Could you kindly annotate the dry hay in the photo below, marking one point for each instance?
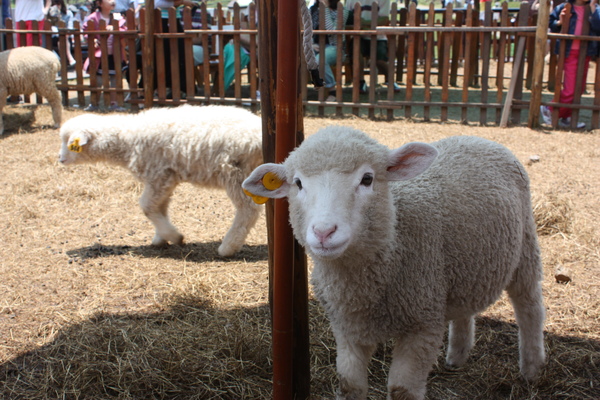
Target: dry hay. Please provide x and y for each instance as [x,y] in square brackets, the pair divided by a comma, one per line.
[552,214]
[90,311]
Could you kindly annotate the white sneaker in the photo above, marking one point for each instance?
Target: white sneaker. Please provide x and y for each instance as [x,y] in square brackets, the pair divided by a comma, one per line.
[546,115]
[565,123]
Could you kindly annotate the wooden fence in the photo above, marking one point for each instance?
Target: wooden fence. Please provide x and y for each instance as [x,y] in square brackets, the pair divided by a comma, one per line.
[451,65]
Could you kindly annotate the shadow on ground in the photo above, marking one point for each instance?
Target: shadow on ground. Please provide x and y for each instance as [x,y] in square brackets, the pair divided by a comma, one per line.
[194,350]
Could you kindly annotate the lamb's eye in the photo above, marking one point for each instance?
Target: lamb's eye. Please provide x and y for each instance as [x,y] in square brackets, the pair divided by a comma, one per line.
[298,183]
[367,179]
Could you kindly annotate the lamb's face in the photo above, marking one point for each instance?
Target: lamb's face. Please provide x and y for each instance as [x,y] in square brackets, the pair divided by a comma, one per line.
[73,139]
[328,210]
[336,185]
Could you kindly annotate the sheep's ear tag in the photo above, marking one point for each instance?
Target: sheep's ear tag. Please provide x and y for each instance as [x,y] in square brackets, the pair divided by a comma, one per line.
[271,181]
[75,147]
[255,198]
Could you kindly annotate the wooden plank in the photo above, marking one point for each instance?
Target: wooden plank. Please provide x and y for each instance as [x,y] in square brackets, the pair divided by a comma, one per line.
[445,68]
[559,70]
[356,61]
[392,43]
[501,61]
[513,83]
[338,59]
[93,67]
[220,38]
[428,62]
[469,37]
[132,59]
[78,65]
[401,50]
[485,64]
[456,49]
[62,52]
[237,49]
[541,40]
[518,92]
[410,73]
[105,77]
[161,88]
[322,95]
[252,66]
[190,84]
[174,56]
[373,60]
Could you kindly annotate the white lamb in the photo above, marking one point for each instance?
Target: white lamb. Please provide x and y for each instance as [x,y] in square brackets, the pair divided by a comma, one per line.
[214,146]
[27,70]
[404,241]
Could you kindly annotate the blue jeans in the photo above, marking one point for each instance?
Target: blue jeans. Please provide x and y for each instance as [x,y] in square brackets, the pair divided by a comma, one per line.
[330,59]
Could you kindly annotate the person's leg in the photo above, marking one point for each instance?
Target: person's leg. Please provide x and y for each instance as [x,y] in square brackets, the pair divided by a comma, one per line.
[569,81]
[198,54]
[330,59]
[229,63]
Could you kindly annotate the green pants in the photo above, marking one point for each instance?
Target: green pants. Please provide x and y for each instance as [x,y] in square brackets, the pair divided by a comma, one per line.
[229,63]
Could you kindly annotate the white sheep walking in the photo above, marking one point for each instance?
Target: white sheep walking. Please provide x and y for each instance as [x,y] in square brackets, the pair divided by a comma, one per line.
[27,70]
[213,146]
[404,241]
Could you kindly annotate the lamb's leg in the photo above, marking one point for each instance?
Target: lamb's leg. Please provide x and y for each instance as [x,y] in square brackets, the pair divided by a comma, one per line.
[155,203]
[54,99]
[3,94]
[246,215]
[413,358]
[526,298]
[461,338]
[352,368]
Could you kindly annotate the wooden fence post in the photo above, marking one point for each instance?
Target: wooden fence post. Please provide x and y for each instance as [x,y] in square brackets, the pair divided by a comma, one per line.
[148,52]
[541,38]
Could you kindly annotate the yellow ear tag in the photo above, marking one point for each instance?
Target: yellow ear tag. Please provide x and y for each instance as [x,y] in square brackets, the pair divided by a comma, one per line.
[75,147]
[271,181]
[255,198]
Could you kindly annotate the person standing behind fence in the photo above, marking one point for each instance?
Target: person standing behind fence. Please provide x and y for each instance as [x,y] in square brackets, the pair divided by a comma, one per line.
[244,54]
[197,50]
[383,19]
[29,11]
[558,18]
[59,11]
[102,11]
[330,50]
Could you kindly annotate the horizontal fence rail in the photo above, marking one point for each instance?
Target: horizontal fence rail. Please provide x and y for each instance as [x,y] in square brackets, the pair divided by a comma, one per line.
[449,64]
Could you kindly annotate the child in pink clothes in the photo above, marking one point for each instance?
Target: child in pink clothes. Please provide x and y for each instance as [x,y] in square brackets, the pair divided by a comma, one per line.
[102,10]
[558,18]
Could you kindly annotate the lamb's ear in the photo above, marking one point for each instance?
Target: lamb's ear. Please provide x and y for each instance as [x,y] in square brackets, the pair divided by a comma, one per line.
[267,181]
[410,160]
[77,140]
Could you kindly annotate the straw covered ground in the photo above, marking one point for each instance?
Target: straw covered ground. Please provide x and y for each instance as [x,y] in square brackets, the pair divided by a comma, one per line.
[88,310]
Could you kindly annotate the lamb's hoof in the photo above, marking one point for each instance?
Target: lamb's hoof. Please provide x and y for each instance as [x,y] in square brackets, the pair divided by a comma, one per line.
[452,367]
[159,242]
[226,250]
[400,393]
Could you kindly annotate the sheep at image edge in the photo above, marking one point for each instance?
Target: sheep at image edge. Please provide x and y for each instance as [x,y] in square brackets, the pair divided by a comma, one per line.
[27,70]
[404,241]
[213,146]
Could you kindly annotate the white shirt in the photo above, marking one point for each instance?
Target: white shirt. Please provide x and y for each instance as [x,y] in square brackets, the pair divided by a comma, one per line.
[29,10]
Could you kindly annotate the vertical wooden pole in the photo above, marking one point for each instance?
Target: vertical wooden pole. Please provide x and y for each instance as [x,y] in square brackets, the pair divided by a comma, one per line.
[288,291]
[541,37]
[148,54]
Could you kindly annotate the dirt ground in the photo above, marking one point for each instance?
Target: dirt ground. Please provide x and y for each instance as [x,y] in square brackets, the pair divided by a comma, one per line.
[88,310]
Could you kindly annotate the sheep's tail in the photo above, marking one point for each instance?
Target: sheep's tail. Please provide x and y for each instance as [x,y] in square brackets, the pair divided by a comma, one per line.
[309,53]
